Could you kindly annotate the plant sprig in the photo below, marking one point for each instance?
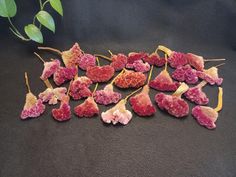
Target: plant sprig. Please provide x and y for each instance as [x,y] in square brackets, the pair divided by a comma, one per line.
[8,9]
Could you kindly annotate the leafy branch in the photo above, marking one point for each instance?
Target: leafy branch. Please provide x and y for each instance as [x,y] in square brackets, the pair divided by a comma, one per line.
[33,32]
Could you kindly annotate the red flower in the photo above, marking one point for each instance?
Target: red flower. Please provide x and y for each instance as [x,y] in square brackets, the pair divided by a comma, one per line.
[64,74]
[130,79]
[211,76]
[87,109]
[63,113]
[100,73]
[141,103]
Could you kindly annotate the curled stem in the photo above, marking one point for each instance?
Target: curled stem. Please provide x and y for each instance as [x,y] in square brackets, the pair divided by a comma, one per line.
[97,61]
[165,49]
[50,49]
[220,100]
[39,57]
[27,82]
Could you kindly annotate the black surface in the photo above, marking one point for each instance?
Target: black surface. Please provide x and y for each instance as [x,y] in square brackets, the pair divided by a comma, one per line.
[158,146]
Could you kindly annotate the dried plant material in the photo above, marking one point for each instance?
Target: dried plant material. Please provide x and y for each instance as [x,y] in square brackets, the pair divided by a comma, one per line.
[64,74]
[130,79]
[141,66]
[185,74]
[33,107]
[207,116]
[211,76]
[134,56]
[163,81]
[70,57]
[85,61]
[174,104]
[175,59]
[196,95]
[88,108]
[155,59]
[119,113]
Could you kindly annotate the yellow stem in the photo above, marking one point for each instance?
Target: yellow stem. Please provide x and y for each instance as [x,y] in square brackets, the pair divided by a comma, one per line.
[103,56]
[166,63]
[110,52]
[117,76]
[202,84]
[51,49]
[165,49]
[69,87]
[77,73]
[95,88]
[48,84]
[150,75]
[98,61]
[220,100]
[132,93]
[39,57]
[219,65]
[27,82]
[182,88]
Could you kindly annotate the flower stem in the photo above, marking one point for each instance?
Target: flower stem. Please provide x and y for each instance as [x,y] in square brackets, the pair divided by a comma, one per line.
[219,65]
[165,49]
[132,93]
[166,63]
[220,100]
[48,84]
[27,82]
[117,76]
[39,57]
[103,56]
[95,88]
[98,61]
[215,59]
[182,89]
[150,75]
[50,49]
[110,52]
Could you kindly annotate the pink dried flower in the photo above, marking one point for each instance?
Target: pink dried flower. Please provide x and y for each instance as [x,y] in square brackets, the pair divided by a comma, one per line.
[87,60]
[185,74]
[107,95]
[211,76]
[64,74]
[52,96]
[174,104]
[195,61]
[196,95]
[33,107]
[79,88]
[130,79]
[118,113]
[100,73]
[141,66]
[118,61]
[155,59]
[49,69]
[87,109]
[133,56]
[63,113]
[207,116]
[142,104]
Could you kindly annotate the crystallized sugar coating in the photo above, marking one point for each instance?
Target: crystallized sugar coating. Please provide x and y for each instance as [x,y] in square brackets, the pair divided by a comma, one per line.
[196,95]
[211,76]
[130,79]
[163,82]
[174,105]
[63,74]
[87,109]
[133,56]
[118,61]
[177,59]
[71,57]
[142,104]
[79,88]
[86,60]
[185,74]
[140,66]
[117,114]
[49,69]
[32,108]
[52,96]
[195,61]
[100,73]
[155,59]
[205,116]
[107,96]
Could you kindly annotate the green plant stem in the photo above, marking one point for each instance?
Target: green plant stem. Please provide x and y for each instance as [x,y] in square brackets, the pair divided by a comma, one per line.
[15,31]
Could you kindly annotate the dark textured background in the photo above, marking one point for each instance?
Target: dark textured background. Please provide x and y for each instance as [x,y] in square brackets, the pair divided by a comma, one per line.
[146,147]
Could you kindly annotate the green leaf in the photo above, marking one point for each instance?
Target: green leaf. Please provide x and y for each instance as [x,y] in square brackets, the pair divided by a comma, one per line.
[57,6]
[46,20]
[34,33]
[7,8]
